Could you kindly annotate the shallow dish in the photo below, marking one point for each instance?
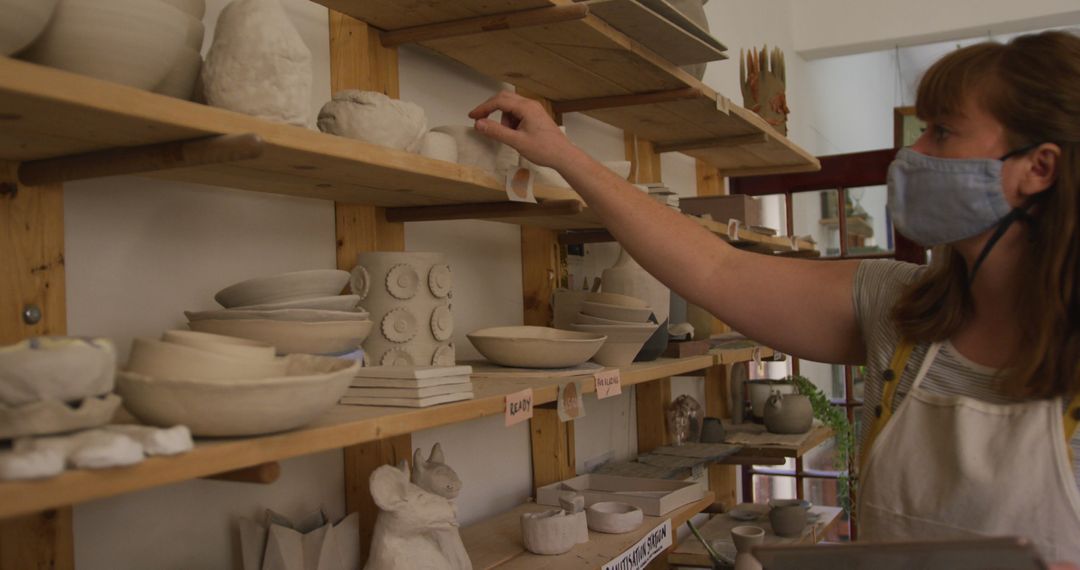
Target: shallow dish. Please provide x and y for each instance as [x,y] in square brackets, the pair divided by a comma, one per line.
[583,319]
[613,517]
[744,515]
[304,315]
[623,341]
[53,416]
[536,347]
[283,287]
[616,299]
[56,368]
[616,312]
[220,344]
[174,361]
[331,337]
[313,384]
[328,303]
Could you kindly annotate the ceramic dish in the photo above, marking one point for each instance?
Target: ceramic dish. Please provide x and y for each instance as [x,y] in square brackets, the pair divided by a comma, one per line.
[53,416]
[331,337]
[583,319]
[179,362]
[616,312]
[313,384]
[284,287]
[220,344]
[305,315]
[194,8]
[22,22]
[329,303]
[616,299]
[56,368]
[613,517]
[623,341]
[744,515]
[536,347]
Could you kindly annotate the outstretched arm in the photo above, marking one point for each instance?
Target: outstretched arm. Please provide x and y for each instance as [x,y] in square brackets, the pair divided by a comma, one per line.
[798,306]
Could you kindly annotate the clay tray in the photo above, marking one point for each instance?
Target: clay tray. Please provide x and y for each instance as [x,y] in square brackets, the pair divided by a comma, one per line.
[655,497]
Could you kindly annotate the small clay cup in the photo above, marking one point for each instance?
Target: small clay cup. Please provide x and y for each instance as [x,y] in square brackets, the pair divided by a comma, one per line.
[712,430]
[788,518]
[746,536]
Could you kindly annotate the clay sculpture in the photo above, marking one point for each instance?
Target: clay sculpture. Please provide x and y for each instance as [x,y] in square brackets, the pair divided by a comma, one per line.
[434,475]
[762,76]
[373,117]
[791,413]
[259,64]
[415,529]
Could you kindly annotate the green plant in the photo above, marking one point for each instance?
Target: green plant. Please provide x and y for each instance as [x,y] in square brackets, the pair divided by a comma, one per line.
[833,417]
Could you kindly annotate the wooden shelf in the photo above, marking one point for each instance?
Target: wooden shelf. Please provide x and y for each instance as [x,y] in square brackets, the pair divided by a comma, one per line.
[856,226]
[497,543]
[756,240]
[817,436]
[582,64]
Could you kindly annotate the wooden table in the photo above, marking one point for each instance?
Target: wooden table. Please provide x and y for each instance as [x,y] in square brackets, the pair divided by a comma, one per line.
[718,532]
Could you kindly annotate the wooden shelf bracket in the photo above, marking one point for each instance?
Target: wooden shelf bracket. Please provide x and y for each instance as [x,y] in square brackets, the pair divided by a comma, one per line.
[491,210]
[483,24]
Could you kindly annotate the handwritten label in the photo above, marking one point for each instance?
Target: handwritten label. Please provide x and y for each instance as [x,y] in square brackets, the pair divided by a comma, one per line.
[794,243]
[608,383]
[638,556]
[519,406]
[570,404]
[519,186]
[733,229]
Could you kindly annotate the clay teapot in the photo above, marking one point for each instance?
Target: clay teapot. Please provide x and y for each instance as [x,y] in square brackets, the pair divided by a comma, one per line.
[788,413]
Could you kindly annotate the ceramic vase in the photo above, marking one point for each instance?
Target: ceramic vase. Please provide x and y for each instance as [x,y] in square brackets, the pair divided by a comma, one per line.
[694,10]
[745,537]
[627,277]
[258,64]
[408,296]
[788,414]
[788,518]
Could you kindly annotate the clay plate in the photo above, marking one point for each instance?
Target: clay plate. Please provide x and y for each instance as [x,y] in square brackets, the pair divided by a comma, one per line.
[536,347]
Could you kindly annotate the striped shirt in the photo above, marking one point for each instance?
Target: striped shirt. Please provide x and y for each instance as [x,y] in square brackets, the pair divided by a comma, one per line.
[877,287]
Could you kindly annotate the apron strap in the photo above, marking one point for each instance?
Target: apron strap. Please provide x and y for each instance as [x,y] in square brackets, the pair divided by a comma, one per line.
[884,412]
[1072,419]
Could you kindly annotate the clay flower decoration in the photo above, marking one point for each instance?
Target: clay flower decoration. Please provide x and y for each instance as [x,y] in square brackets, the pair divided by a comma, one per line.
[762,75]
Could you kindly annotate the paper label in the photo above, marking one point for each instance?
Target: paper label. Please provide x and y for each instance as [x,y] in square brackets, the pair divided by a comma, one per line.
[733,229]
[608,383]
[794,243]
[757,362]
[570,404]
[519,406]
[646,550]
[519,186]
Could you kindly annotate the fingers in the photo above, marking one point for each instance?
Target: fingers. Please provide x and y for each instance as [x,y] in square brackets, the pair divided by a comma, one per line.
[501,133]
[503,101]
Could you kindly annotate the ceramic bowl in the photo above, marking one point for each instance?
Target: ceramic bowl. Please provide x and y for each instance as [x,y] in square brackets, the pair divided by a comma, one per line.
[180,82]
[194,8]
[548,532]
[746,536]
[305,315]
[312,385]
[616,299]
[536,347]
[173,361]
[219,344]
[787,518]
[133,42]
[56,368]
[329,303]
[566,305]
[623,341]
[194,31]
[475,149]
[22,22]
[616,312]
[331,337]
[53,416]
[583,319]
[760,390]
[439,146]
[613,517]
[284,287]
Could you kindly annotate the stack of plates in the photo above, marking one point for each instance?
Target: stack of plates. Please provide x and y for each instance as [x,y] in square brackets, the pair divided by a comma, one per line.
[417,387]
[300,312]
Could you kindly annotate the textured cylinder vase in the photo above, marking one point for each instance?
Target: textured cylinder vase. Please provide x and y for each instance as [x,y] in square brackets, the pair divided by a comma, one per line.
[408,296]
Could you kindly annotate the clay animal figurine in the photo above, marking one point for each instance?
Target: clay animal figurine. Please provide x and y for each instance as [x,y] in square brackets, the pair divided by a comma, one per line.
[434,475]
[762,76]
[258,64]
[790,413]
[373,117]
[415,530]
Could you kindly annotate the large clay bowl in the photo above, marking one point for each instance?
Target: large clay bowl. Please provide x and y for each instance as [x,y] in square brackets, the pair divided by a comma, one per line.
[180,81]
[56,368]
[536,347]
[623,341]
[134,42]
[306,315]
[285,287]
[328,303]
[169,360]
[23,20]
[291,337]
[194,8]
[313,384]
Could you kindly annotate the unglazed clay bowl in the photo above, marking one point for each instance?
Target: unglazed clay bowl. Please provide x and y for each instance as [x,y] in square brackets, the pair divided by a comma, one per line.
[194,8]
[56,368]
[548,532]
[746,536]
[305,315]
[312,385]
[285,287]
[133,42]
[536,347]
[616,299]
[583,319]
[180,82]
[622,344]
[788,517]
[291,337]
[616,312]
[614,517]
[193,33]
[328,303]
[220,344]
[22,22]
[168,360]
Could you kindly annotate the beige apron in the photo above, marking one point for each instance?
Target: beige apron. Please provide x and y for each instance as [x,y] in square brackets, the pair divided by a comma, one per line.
[951,467]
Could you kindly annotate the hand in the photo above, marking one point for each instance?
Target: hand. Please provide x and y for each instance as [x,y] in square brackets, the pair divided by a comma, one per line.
[526,126]
[1063,566]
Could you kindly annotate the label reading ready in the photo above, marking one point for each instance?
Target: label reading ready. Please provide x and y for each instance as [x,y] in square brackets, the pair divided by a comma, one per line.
[608,383]
[519,406]
[638,556]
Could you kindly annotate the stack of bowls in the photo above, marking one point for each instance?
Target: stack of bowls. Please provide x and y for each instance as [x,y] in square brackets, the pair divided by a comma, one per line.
[624,320]
[299,312]
[180,81]
[55,384]
[224,386]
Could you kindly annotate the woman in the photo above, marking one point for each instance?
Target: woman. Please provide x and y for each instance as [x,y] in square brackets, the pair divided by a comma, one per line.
[974,362]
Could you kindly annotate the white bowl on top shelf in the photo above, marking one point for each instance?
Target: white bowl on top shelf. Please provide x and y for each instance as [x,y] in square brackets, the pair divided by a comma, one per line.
[305,315]
[535,347]
[291,286]
[623,343]
[134,42]
[292,337]
[616,312]
[23,21]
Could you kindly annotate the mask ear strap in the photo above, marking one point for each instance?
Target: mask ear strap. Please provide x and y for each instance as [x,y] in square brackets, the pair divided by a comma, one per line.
[1003,226]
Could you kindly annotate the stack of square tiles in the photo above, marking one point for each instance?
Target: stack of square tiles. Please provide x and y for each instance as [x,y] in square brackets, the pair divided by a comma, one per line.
[415,387]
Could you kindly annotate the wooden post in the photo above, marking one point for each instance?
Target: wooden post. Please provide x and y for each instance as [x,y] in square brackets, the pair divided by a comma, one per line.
[552,446]
[359,61]
[652,400]
[32,303]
